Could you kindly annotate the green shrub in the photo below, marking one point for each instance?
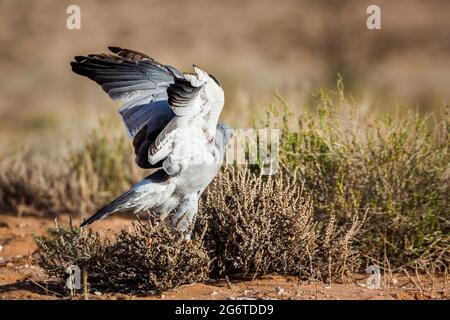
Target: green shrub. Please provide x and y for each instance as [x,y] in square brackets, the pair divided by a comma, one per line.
[395,167]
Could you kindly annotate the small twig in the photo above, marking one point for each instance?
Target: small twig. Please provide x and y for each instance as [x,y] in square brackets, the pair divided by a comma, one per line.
[317,291]
[85,284]
[418,279]
[229,283]
[42,287]
[445,280]
[431,279]
[411,279]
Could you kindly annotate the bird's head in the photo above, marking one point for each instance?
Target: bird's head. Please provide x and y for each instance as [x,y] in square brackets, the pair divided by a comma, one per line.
[224,135]
[210,85]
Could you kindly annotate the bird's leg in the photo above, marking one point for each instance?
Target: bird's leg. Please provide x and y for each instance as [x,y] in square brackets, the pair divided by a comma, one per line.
[184,216]
[152,221]
[151,218]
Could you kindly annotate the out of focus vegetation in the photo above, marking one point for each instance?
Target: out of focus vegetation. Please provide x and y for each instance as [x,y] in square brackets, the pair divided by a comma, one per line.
[293,46]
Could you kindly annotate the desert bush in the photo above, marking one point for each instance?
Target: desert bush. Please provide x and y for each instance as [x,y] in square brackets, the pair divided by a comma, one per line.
[103,167]
[248,225]
[76,183]
[29,185]
[105,159]
[139,259]
[394,166]
[264,224]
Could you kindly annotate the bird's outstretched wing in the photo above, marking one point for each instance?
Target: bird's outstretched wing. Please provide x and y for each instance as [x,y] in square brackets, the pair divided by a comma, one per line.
[197,101]
[162,106]
[133,78]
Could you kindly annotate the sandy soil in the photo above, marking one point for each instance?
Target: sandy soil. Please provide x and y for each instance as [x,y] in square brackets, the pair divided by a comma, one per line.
[20,278]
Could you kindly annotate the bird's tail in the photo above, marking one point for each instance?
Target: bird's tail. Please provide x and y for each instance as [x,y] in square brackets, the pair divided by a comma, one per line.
[115,206]
[148,193]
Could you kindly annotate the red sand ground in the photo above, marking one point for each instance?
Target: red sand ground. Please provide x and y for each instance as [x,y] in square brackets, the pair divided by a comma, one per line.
[20,278]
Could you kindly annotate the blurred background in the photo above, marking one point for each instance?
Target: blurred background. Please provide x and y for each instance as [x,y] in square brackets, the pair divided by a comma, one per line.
[255,47]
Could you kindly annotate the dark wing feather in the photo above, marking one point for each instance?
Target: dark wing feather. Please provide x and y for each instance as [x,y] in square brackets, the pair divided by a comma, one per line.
[152,93]
[141,83]
[132,77]
[160,116]
[130,54]
[181,93]
[120,76]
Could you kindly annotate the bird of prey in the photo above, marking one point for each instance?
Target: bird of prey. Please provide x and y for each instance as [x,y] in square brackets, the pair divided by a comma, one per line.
[172,118]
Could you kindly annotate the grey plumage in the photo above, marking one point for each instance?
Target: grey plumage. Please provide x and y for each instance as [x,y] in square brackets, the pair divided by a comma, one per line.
[172,118]
[129,76]
[161,193]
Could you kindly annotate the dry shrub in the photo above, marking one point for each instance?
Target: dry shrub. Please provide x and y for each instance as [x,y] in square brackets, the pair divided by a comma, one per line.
[248,225]
[104,166]
[159,257]
[29,185]
[140,258]
[395,167]
[76,183]
[258,226]
[264,224]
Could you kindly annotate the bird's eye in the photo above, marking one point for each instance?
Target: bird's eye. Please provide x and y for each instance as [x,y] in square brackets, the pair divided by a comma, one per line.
[215,80]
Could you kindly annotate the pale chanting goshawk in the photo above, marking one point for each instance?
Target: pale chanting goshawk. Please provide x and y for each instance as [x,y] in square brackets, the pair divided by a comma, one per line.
[172,118]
